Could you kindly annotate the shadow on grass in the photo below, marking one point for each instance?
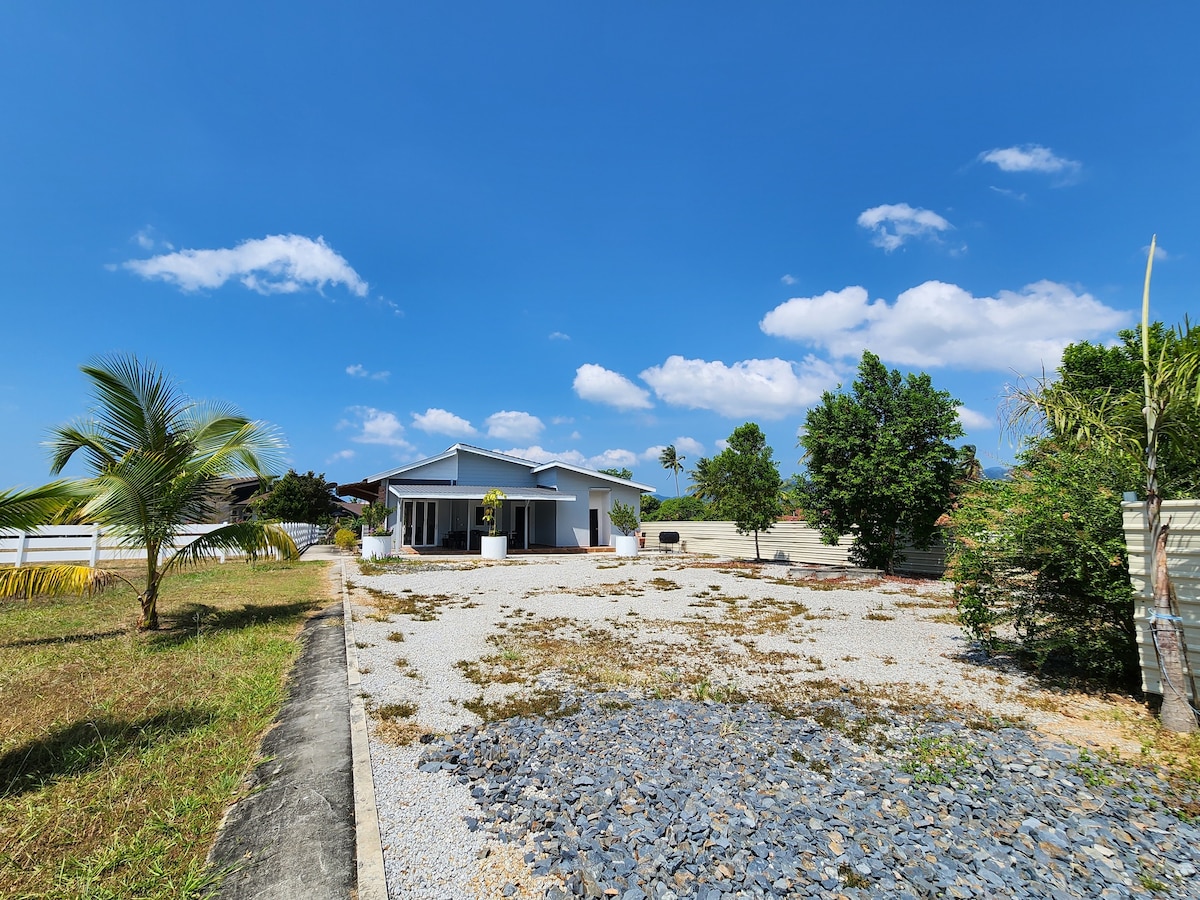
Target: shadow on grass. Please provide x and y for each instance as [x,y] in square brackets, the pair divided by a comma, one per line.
[184,621]
[88,745]
[85,638]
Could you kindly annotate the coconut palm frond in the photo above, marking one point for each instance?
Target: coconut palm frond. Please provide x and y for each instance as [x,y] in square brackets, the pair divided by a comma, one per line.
[55,580]
[27,509]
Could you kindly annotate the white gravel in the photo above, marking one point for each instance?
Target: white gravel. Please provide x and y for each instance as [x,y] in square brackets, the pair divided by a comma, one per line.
[885,637]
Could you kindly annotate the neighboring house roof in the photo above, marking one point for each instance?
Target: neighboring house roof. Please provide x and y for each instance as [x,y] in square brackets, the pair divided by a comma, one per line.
[364,489]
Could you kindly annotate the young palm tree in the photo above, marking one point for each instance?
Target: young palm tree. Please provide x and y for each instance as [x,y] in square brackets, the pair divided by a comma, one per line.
[1136,423]
[156,459]
[672,462]
[25,511]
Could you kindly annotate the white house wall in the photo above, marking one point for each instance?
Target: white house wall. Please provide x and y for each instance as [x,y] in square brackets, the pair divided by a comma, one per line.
[488,472]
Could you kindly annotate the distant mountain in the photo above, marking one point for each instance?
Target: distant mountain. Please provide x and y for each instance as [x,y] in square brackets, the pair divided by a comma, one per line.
[997,473]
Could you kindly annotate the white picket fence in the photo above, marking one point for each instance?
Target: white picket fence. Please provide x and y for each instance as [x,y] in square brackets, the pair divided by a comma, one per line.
[89,544]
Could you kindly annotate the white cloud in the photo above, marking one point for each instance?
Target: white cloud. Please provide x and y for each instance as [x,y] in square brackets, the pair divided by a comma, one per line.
[359,371]
[1160,253]
[973,421]
[559,336]
[1016,195]
[539,454]
[788,279]
[563,420]
[601,385]
[767,388]
[939,324]
[1031,158]
[376,426]
[895,223]
[689,447]
[339,456]
[575,436]
[510,425]
[440,421]
[276,264]
[613,459]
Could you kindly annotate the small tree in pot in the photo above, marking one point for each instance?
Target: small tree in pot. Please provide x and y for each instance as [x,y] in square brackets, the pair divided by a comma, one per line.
[624,518]
[493,545]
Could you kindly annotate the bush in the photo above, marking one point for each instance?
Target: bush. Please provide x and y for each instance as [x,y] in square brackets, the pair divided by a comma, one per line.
[679,509]
[1039,564]
[345,539]
[623,517]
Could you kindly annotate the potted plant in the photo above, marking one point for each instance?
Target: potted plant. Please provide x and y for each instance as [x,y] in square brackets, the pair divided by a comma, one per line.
[493,545]
[624,518]
[376,536]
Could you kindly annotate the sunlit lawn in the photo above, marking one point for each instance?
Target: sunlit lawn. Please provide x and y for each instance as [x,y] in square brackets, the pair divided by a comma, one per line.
[119,751]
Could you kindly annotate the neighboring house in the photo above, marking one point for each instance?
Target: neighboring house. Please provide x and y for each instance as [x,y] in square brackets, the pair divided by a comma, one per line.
[435,502]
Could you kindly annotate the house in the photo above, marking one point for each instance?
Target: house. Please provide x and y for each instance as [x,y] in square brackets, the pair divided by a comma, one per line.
[435,502]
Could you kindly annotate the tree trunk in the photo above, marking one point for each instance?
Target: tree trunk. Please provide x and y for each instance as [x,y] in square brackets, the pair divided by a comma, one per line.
[148,618]
[757,554]
[1176,714]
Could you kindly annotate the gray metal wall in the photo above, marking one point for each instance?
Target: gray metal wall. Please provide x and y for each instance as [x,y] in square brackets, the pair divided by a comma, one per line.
[790,542]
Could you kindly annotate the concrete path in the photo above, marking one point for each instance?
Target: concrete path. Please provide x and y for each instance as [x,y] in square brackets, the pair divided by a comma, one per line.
[306,827]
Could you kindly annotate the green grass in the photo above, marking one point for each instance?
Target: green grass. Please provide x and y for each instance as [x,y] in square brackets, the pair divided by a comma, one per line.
[119,751]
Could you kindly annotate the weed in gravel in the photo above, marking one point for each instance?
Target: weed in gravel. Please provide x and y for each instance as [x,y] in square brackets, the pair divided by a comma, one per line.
[936,759]
[663,584]
[396,636]
[540,703]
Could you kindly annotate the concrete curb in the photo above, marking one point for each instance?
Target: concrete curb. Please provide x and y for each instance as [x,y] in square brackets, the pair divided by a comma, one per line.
[372,879]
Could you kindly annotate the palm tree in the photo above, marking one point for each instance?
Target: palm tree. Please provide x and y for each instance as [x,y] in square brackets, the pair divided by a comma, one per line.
[672,462]
[156,459]
[1138,423]
[25,511]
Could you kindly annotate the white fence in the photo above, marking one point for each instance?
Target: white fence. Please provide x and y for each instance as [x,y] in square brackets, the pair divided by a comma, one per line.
[1183,562]
[788,542]
[89,544]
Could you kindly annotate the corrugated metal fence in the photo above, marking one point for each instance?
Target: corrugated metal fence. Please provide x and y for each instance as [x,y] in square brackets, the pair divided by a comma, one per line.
[1183,562]
[790,542]
[89,544]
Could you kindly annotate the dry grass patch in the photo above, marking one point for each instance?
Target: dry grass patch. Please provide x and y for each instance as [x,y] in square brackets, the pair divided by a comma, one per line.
[119,751]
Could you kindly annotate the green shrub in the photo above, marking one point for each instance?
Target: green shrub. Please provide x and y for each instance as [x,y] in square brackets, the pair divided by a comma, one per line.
[345,539]
[1039,564]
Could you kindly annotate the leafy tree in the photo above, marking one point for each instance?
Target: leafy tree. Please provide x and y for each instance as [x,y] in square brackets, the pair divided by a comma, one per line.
[649,505]
[880,463]
[627,474]
[748,482]
[1039,563]
[680,509]
[156,458]
[672,462]
[298,498]
[1160,422]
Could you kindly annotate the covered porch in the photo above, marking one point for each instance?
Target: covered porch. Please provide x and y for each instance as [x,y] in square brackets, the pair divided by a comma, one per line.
[449,518]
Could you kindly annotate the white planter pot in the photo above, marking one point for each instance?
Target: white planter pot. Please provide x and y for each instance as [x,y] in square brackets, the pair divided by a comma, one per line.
[374,547]
[493,547]
[626,544]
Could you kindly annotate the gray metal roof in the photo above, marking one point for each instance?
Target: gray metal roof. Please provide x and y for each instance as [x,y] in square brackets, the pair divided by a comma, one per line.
[471,492]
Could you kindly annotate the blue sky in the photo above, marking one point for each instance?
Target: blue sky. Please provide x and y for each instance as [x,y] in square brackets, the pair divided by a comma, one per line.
[579,231]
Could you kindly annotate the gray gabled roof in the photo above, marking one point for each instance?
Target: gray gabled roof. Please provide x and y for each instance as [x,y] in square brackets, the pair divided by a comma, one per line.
[472,492]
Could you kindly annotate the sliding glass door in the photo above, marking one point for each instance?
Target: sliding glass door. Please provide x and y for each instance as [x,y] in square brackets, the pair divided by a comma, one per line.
[420,523]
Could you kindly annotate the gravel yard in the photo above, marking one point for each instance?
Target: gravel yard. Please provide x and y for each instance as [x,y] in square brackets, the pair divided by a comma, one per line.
[703,728]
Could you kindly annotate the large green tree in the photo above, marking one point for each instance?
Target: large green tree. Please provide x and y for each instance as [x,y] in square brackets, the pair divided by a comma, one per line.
[880,463]
[298,498]
[1150,426]
[155,459]
[1039,564]
[746,480]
